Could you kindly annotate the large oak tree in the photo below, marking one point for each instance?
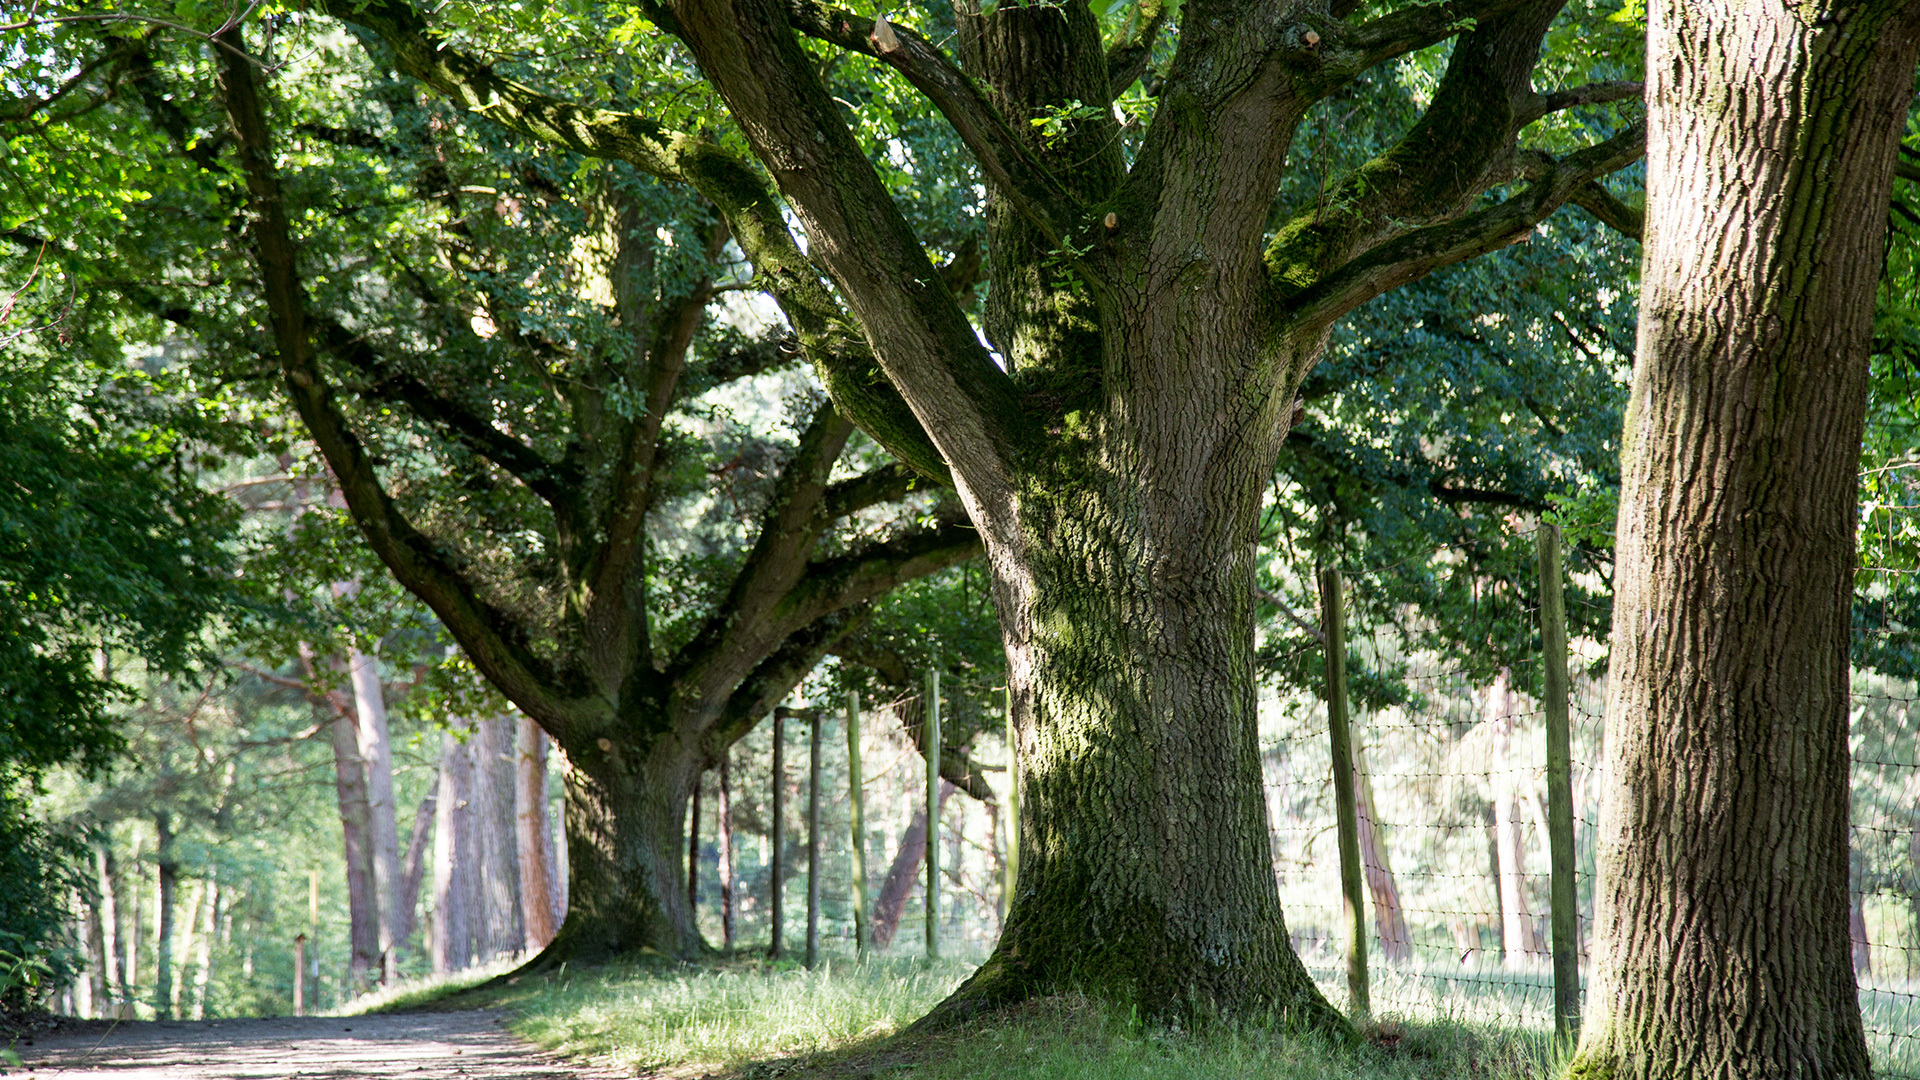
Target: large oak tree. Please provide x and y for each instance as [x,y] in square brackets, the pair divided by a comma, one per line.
[1722,906]
[1153,309]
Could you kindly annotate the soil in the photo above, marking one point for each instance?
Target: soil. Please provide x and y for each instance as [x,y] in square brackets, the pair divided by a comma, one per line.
[472,1045]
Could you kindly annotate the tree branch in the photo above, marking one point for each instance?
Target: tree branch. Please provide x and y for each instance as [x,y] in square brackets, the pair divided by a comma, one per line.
[1348,51]
[1595,199]
[488,635]
[1590,94]
[1127,59]
[884,484]
[1001,154]
[1421,251]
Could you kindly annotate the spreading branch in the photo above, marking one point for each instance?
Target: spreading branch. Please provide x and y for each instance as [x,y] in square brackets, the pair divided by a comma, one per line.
[1590,94]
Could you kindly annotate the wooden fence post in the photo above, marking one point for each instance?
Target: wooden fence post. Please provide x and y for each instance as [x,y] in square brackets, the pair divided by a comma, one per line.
[932,721]
[813,839]
[776,881]
[857,800]
[1333,622]
[1566,894]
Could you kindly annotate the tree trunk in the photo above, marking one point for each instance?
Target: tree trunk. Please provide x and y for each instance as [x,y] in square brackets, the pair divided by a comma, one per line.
[693,847]
[376,750]
[1721,899]
[112,967]
[1519,934]
[777,873]
[189,940]
[537,901]
[1389,918]
[453,856]
[723,834]
[203,959]
[130,969]
[1126,596]
[413,868]
[500,927]
[903,874]
[625,824]
[363,913]
[96,980]
[168,878]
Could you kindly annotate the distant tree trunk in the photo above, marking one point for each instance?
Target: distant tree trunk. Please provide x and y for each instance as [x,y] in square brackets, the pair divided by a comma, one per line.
[535,836]
[1519,934]
[413,868]
[369,701]
[693,848]
[112,968]
[130,970]
[777,841]
[1388,916]
[168,875]
[203,961]
[1721,899]
[495,777]
[189,942]
[363,913]
[454,866]
[723,832]
[98,984]
[904,874]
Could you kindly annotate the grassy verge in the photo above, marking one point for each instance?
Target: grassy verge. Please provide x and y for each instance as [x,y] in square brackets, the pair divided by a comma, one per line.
[747,1018]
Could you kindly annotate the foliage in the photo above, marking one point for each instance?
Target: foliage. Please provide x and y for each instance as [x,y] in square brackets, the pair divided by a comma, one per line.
[39,869]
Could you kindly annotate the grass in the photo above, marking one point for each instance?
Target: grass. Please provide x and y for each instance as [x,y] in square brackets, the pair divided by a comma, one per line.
[746,1018]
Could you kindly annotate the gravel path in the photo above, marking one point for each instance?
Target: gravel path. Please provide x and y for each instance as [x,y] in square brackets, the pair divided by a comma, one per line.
[419,1046]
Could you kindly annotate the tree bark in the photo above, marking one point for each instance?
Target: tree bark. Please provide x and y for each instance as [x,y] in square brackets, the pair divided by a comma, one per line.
[723,835]
[903,874]
[499,928]
[376,749]
[350,791]
[540,908]
[777,872]
[453,861]
[1721,901]
[167,878]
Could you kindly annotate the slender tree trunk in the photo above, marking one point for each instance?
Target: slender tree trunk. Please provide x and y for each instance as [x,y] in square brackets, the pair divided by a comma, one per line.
[534,835]
[413,868]
[130,970]
[453,852]
[376,750]
[902,875]
[363,914]
[189,942]
[96,979]
[167,880]
[723,833]
[113,967]
[1519,934]
[1721,901]
[203,960]
[495,777]
[1396,946]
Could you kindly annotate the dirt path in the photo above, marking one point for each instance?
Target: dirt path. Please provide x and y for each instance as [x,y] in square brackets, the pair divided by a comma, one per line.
[419,1046]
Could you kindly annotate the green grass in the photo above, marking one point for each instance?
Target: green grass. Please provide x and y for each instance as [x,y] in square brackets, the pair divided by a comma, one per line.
[422,993]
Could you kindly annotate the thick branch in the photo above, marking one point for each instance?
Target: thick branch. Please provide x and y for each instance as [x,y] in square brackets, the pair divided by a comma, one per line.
[485,632]
[1349,52]
[1590,94]
[1422,251]
[884,484]
[1003,156]
[1595,199]
[754,217]
[1127,58]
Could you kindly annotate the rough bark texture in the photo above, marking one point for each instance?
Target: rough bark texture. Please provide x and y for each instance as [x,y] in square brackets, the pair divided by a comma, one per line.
[500,928]
[1721,906]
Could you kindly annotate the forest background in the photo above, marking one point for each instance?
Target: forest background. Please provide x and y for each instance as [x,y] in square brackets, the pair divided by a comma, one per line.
[198,641]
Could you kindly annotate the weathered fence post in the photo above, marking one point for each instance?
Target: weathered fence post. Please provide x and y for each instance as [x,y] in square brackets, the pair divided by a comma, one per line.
[1566,894]
[1012,864]
[776,881]
[300,975]
[813,840]
[932,720]
[1333,622]
[857,800]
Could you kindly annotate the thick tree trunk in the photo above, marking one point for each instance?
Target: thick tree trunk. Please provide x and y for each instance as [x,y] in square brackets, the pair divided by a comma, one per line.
[1721,902]
[350,790]
[369,702]
[1126,598]
[903,875]
[538,903]
[626,880]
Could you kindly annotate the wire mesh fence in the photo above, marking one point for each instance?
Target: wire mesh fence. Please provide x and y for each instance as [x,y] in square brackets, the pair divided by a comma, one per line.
[1451,790]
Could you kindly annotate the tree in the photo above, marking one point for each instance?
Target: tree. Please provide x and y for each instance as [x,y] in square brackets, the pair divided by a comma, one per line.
[1155,312]
[1722,903]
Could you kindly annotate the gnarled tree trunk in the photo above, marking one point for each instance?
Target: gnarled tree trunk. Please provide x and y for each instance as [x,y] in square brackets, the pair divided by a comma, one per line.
[1721,913]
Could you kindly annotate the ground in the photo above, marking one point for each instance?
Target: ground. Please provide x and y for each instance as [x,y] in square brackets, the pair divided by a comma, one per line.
[471,1045]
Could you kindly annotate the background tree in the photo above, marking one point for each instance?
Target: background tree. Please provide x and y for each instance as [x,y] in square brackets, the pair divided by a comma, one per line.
[1772,144]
